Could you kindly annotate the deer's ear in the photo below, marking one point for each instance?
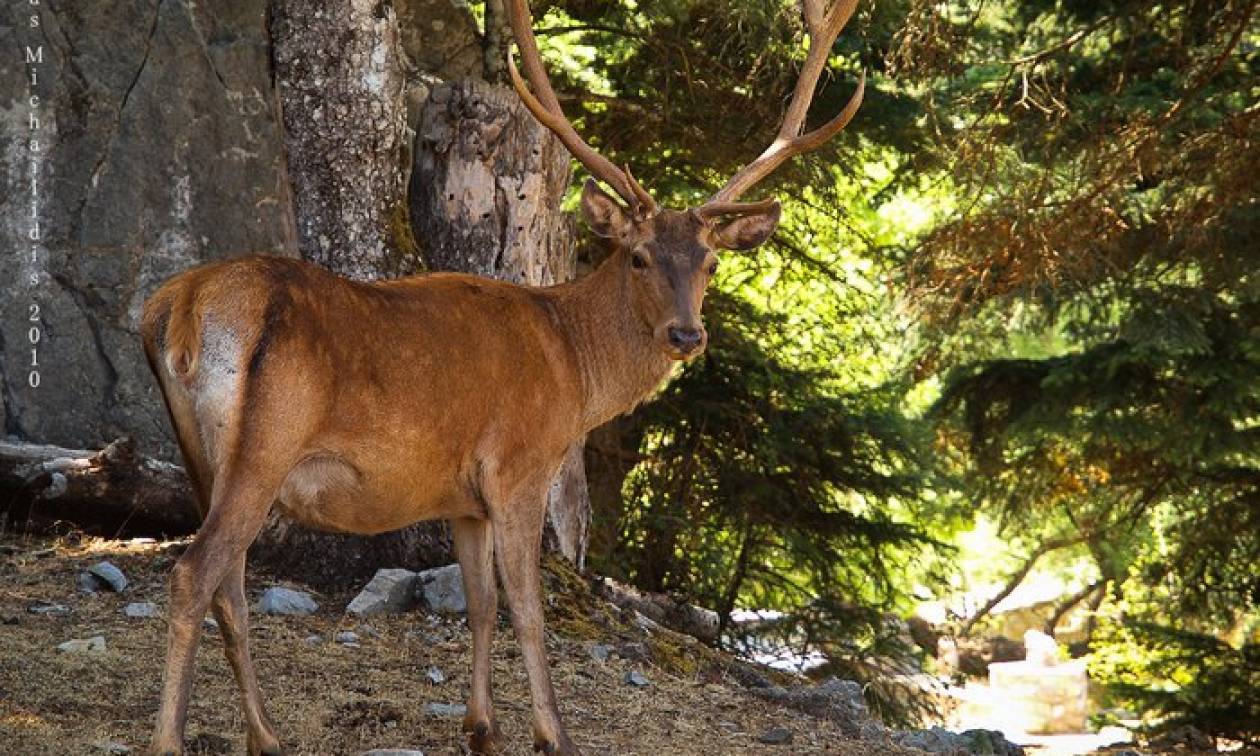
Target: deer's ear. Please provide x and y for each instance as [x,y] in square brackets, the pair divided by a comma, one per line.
[605,215]
[748,231]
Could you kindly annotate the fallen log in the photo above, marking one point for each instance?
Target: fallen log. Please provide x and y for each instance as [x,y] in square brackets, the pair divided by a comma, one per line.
[111,491]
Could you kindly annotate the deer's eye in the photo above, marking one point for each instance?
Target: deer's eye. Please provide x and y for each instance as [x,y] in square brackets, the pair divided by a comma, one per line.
[712,269]
[639,261]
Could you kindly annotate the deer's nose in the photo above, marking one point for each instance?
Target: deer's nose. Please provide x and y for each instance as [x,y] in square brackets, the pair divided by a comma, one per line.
[685,340]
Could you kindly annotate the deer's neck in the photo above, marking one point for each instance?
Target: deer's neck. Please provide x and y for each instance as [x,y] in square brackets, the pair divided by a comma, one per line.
[618,360]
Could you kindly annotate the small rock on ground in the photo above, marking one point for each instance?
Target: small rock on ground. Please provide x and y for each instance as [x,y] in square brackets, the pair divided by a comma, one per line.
[111,747]
[347,638]
[392,752]
[110,575]
[436,676]
[388,591]
[93,645]
[46,607]
[280,600]
[600,651]
[445,709]
[141,609]
[776,736]
[442,589]
[636,679]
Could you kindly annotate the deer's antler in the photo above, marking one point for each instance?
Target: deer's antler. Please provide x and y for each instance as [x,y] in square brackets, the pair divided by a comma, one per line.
[543,104]
[824,24]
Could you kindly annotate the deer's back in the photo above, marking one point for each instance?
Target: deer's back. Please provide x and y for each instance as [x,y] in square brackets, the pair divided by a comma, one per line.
[403,394]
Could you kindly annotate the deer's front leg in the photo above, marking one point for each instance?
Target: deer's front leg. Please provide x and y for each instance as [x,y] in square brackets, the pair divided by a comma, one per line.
[517,542]
[474,547]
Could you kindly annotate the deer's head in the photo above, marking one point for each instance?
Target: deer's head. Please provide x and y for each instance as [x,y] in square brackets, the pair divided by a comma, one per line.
[669,256]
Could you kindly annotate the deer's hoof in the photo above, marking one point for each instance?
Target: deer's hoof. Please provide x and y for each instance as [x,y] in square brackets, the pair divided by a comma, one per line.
[562,746]
[483,737]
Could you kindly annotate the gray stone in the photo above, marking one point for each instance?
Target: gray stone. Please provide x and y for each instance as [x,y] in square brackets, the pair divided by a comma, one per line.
[600,651]
[975,742]
[88,583]
[159,150]
[776,736]
[391,590]
[48,608]
[111,747]
[313,639]
[436,676]
[836,700]
[445,709]
[141,610]
[280,600]
[347,638]
[635,678]
[209,624]
[392,752]
[110,576]
[442,589]
[93,645]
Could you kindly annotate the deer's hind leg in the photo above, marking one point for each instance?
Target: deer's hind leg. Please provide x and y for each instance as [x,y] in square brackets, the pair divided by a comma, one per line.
[232,612]
[239,507]
[212,571]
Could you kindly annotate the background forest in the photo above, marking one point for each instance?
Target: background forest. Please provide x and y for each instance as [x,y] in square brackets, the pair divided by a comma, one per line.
[1008,330]
[1021,292]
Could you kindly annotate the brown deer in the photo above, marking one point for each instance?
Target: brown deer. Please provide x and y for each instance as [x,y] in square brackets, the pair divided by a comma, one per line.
[365,407]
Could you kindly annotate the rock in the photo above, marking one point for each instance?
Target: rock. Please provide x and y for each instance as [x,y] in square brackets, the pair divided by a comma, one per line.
[48,608]
[87,582]
[600,651]
[445,709]
[280,600]
[836,700]
[141,610]
[347,638]
[635,678]
[940,740]
[388,591]
[209,624]
[442,589]
[193,141]
[111,747]
[436,676]
[633,651]
[93,645]
[110,576]
[392,752]
[312,639]
[776,736]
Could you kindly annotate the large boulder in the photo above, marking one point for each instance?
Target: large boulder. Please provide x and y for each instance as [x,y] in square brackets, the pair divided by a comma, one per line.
[155,147]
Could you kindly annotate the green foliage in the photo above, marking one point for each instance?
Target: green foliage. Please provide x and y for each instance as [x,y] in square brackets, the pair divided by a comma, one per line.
[1182,677]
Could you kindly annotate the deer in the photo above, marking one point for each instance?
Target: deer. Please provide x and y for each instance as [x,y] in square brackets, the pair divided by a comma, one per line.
[362,407]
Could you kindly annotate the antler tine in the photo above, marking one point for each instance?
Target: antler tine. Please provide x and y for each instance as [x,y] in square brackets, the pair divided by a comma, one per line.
[824,27]
[542,102]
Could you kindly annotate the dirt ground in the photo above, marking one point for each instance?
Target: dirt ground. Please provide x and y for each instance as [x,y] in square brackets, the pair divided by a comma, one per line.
[326,698]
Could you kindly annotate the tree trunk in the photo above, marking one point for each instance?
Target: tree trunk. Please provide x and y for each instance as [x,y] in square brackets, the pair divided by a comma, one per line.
[485,199]
[339,70]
